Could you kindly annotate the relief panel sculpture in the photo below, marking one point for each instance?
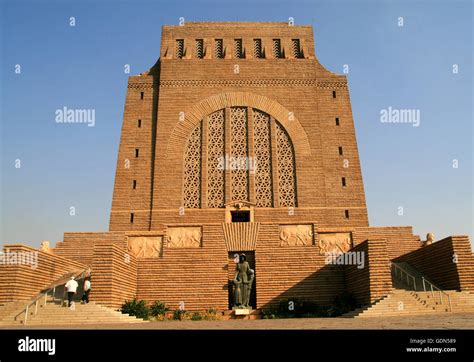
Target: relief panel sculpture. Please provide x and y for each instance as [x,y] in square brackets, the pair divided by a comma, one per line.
[296,235]
[183,237]
[145,246]
[334,243]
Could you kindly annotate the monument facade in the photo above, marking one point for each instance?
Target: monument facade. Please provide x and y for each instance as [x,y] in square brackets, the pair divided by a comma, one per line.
[238,141]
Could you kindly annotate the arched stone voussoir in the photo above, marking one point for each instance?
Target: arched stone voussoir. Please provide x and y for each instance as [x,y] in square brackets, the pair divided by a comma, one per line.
[287,118]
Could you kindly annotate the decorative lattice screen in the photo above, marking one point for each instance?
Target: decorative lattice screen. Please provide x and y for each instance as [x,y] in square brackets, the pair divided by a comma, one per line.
[257,48]
[276,49]
[179,51]
[215,160]
[263,160]
[296,48]
[286,168]
[219,49]
[238,51]
[238,161]
[199,50]
[192,170]
[239,140]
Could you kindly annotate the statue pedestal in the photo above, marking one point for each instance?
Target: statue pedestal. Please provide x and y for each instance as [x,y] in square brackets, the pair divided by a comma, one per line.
[241,311]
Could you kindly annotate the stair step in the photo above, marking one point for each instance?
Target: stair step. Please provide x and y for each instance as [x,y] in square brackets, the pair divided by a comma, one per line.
[55,314]
[415,303]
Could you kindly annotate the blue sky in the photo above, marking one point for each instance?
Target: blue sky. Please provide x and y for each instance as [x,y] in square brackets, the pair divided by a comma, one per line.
[408,67]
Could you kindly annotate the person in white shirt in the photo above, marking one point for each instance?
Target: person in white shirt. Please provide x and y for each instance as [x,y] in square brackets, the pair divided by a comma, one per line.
[71,287]
[87,290]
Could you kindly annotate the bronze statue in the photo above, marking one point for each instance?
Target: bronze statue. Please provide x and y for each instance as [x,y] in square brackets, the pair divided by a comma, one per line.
[249,289]
[237,293]
[243,280]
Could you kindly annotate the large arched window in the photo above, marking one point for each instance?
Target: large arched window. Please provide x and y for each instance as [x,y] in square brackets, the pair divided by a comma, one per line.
[239,154]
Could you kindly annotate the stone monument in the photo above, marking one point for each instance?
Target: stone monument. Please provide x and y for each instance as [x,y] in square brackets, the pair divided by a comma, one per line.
[243,281]
[236,141]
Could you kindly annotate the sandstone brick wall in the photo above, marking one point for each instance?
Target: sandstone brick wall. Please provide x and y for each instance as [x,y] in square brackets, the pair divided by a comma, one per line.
[22,282]
[195,276]
[357,281]
[400,239]
[79,246]
[197,87]
[228,31]
[436,261]
[324,216]
[114,275]
[374,280]
[199,276]
[293,272]
[131,167]
[318,179]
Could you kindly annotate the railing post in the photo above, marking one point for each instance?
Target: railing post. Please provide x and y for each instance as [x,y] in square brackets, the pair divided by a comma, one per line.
[36,307]
[441,296]
[26,314]
[414,284]
[45,297]
[54,294]
[432,293]
[424,286]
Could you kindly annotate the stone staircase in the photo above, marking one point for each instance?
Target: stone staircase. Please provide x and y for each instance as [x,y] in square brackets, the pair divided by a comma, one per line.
[46,309]
[461,301]
[53,314]
[8,311]
[425,292]
[399,302]
[402,302]
[408,297]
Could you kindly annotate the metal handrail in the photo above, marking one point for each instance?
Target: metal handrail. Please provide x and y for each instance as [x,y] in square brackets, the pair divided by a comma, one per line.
[45,293]
[432,286]
[441,292]
[396,267]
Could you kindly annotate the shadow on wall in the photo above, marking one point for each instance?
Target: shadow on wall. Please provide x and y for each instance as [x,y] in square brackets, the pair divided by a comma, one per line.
[449,262]
[321,287]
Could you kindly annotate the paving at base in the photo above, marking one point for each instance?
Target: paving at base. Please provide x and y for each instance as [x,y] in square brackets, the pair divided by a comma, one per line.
[454,321]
